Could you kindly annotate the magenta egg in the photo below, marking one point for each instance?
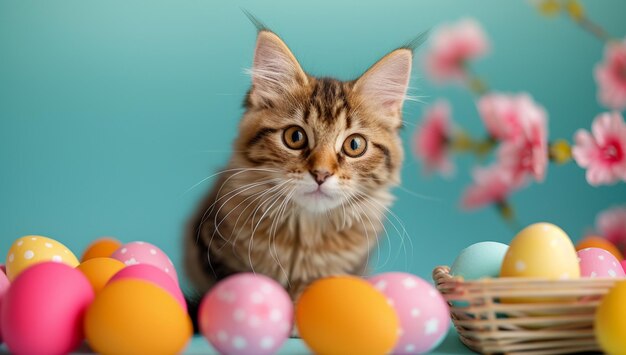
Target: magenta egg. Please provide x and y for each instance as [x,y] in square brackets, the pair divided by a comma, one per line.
[145,253]
[596,262]
[154,275]
[246,314]
[423,313]
[43,310]
[4,286]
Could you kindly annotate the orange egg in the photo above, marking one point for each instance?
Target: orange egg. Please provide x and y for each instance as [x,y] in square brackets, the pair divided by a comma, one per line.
[136,317]
[599,242]
[100,270]
[101,248]
[346,315]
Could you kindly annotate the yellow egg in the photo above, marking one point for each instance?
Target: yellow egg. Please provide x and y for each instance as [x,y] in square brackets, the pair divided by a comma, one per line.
[32,249]
[101,248]
[100,270]
[541,250]
[610,321]
[136,317]
[346,315]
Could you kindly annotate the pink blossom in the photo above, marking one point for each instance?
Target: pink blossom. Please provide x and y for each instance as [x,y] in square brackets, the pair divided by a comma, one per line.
[452,46]
[491,185]
[611,76]
[432,137]
[602,152]
[611,224]
[507,116]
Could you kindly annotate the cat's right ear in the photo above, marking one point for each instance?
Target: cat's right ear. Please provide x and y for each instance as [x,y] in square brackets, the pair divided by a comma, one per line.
[275,70]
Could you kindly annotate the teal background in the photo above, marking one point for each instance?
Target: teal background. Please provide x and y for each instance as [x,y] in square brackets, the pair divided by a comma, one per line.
[111,110]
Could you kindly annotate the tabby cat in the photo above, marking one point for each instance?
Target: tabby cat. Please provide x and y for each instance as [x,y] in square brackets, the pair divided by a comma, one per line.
[308,183]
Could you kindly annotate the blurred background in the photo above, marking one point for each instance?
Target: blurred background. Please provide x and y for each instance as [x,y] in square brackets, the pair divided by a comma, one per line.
[111,111]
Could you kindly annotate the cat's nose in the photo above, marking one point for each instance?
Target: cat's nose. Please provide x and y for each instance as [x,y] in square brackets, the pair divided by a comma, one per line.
[320,175]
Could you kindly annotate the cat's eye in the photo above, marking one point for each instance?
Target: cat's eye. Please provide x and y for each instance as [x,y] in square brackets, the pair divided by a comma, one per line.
[355,145]
[294,137]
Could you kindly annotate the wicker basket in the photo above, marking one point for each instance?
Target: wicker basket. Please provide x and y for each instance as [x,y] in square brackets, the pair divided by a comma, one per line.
[558,321]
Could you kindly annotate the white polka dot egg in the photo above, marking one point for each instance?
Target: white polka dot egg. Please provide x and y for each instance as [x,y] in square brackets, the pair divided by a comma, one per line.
[598,263]
[145,253]
[422,311]
[246,314]
[33,249]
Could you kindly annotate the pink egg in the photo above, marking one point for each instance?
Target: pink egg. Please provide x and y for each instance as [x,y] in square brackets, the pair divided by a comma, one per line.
[423,313]
[4,286]
[246,314]
[154,275]
[42,313]
[596,262]
[145,253]
[623,262]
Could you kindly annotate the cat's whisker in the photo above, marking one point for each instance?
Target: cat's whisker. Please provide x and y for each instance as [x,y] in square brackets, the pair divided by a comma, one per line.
[418,195]
[235,192]
[281,210]
[352,201]
[227,171]
[278,194]
[404,231]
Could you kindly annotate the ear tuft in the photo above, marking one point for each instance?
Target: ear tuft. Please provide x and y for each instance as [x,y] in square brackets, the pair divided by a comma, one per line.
[275,70]
[385,84]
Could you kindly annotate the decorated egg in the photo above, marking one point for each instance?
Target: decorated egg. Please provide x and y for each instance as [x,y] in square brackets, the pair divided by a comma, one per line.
[43,310]
[154,275]
[610,320]
[101,248]
[479,260]
[541,250]
[145,253]
[99,270]
[346,315]
[4,286]
[33,249]
[246,314]
[599,242]
[596,262]
[136,317]
[422,311]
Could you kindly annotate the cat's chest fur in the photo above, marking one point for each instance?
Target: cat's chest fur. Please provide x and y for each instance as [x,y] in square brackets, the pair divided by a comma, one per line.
[245,229]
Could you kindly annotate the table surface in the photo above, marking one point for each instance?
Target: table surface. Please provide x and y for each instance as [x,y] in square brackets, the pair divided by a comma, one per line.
[450,345]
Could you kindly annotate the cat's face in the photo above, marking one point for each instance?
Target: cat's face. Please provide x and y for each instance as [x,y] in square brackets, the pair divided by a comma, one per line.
[323,142]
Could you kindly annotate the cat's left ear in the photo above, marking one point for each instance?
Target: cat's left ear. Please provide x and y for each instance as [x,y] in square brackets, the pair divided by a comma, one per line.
[386,82]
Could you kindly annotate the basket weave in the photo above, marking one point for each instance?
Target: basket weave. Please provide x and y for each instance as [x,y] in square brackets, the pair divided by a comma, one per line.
[560,321]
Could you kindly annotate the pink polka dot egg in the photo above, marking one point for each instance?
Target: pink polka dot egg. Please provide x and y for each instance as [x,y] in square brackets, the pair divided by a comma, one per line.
[246,314]
[145,253]
[423,313]
[596,263]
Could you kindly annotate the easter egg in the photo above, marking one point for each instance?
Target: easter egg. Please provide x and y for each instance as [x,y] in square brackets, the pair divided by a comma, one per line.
[599,242]
[596,262]
[43,310]
[541,250]
[101,248]
[33,249]
[4,286]
[136,317]
[246,314]
[479,260]
[610,320]
[99,270]
[154,275]
[422,311]
[346,315]
[623,263]
[145,253]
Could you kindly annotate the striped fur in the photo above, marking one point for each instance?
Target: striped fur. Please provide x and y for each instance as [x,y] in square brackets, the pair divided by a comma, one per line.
[262,214]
